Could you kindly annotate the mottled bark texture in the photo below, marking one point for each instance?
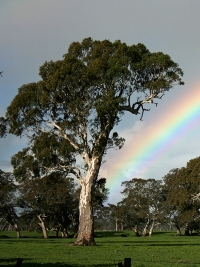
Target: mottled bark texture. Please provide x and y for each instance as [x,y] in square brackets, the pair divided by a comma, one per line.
[86,223]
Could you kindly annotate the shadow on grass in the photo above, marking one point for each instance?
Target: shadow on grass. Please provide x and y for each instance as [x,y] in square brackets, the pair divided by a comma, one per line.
[5,236]
[148,243]
[105,234]
[58,238]
[12,262]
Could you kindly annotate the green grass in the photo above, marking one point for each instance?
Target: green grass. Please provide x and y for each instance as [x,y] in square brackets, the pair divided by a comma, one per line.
[163,249]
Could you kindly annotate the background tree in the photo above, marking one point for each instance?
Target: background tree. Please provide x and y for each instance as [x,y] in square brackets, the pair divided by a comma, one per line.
[44,190]
[52,201]
[8,200]
[169,204]
[99,196]
[143,203]
[180,185]
[103,218]
[82,97]
[100,193]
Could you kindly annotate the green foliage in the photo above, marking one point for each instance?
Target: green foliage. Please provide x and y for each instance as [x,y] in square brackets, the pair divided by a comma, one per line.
[7,188]
[52,196]
[142,200]
[180,186]
[3,127]
[43,185]
[82,97]
[100,192]
[8,201]
[103,218]
[45,155]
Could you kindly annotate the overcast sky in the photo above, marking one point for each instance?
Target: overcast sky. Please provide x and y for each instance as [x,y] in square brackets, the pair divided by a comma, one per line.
[36,31]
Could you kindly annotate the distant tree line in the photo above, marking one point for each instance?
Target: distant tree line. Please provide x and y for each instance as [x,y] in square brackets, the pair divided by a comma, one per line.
[32,199]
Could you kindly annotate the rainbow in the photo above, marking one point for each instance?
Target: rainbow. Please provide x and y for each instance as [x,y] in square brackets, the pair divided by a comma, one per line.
[144,149]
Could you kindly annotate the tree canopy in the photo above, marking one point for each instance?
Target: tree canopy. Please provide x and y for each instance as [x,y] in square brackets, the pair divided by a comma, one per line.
[181,184]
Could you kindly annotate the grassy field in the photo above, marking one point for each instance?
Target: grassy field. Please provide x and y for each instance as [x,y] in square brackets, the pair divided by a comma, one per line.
[163,249]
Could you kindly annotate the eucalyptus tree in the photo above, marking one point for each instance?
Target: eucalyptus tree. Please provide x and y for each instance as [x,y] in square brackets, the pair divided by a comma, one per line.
[144,200]
[82,97]
[50,201]
[43,188]
[181,184]
[8,200]
[103,219]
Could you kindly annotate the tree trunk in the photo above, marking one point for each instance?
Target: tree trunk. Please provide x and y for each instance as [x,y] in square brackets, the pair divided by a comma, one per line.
[86,221]
[17,230]
[116,224]
[144,232]
[152,227]
[42,225]
[56,230]
[178,230]
[170,226]
[135,229]
[122,226]
[187,232]
[75,235]
[64,232]
[14,225]
[155,217]
[10,227]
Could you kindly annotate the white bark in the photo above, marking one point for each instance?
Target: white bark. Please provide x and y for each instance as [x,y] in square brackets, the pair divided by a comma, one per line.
[42,225]
[116,224]
[144,232]
[152,227]
[86,221]
[17,230]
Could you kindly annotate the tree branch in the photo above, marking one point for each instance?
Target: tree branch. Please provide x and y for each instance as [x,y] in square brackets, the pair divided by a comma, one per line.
[135,107]
[65,136]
